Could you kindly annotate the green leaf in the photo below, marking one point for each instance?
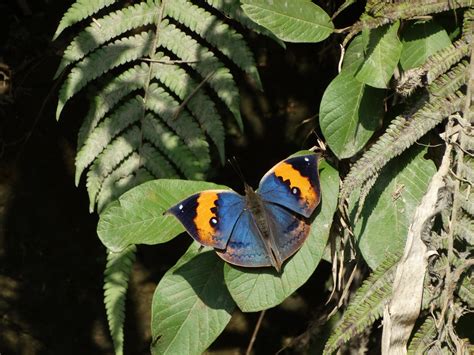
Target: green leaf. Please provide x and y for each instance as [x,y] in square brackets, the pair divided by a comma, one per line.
[354,56]
[291,21]
[191,304]
[138,217]
[257,289]
[390,205]
[349,114]
[382,55]
[420,40]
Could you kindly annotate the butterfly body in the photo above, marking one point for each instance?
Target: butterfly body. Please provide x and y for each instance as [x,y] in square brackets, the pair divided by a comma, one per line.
[262,228]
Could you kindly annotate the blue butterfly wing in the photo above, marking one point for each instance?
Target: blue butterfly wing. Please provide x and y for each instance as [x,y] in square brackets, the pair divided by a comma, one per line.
[210,216]
[294,184]
[245,247]
[289,230]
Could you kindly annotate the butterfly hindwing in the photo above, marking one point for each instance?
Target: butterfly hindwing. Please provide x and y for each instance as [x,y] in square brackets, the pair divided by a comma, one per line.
[294,184]
[245,247]
[289,230]
[210,216]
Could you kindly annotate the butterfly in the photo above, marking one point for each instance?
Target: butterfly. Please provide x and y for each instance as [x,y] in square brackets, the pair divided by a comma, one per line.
[263,228]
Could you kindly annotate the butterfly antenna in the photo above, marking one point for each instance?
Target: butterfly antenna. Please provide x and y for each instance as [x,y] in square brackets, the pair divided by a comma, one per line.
[235,165]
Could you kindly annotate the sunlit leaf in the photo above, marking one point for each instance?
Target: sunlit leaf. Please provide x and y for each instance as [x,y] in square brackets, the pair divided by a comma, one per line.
[191,304]
[382,56]
[291,21]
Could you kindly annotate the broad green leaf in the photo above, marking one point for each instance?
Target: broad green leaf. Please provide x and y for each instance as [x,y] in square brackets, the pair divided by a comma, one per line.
[382,55]
[349,114]
[420,40]
[262,288]
[390,205]
[191,304]
[291,21]
[138,217]
[354,56]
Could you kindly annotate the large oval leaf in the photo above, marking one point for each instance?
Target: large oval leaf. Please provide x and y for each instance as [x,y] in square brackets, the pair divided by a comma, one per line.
[420,40]
[349,114]
[382,56]
[262,288]
[291,21]
[137,218]
[390,205]
[191,304]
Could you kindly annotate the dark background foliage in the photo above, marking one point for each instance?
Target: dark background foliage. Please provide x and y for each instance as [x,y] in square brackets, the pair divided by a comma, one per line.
[51,261]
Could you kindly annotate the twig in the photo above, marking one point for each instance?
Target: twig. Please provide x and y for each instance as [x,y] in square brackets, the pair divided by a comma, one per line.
[190,96]
[341,59]
[255,332]
[170,62]
[96,22]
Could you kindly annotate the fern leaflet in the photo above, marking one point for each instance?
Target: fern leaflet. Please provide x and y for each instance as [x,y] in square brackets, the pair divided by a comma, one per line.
[116,276]
[423,337]
[79,11]
[367,305]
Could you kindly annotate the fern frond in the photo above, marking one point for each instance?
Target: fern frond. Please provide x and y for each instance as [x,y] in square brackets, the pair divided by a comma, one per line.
[424,336]
[410,9]
[106,28]
[441,61]
[381,13]
[464,228]
[467,200]
[450,82]
[101,136]
[367,305]
[124,176]
[466,290]
[103,60]
[116,276]
[80,10]
[468,25]
[199,104]
[165,106]
[109,159]
[435,65]
[206,64]
[171,146]
[104,100]
[217,33]
[401,134]
[107,54]
[156,163]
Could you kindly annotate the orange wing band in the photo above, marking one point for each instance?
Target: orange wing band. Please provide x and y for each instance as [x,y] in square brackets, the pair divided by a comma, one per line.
[308,193]
[204,214]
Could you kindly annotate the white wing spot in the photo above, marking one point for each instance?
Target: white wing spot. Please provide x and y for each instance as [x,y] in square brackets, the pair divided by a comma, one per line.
[181,207]
[306,159]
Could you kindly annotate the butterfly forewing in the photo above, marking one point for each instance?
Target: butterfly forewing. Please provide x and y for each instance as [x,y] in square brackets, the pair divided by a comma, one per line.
[210,216]
[294,184]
